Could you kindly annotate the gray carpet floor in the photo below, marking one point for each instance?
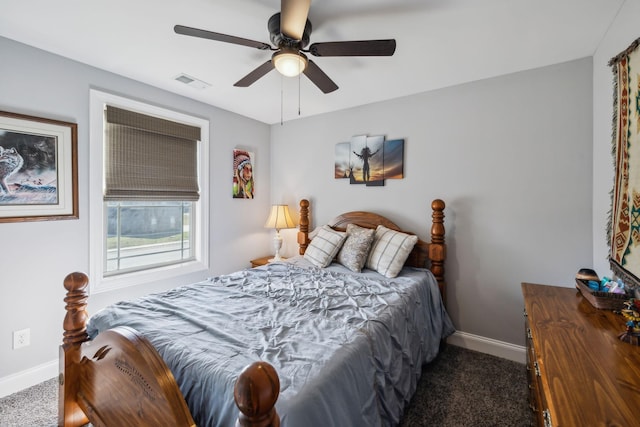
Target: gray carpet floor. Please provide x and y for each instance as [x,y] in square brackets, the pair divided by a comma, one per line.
[36,406]
[460,388]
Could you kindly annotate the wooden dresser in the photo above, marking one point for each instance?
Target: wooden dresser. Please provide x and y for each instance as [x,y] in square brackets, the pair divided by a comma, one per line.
[580,373]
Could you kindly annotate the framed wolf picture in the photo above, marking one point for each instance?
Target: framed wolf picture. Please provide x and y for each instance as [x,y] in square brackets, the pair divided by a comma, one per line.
[38,169]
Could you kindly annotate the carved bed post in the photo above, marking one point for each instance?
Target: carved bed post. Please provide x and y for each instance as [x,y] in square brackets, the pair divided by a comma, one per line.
[437,248]
[256,392]
[75,333]
[303,234]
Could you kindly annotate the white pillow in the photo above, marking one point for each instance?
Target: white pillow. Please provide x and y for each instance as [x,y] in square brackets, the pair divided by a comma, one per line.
[355,249]
[389,251]
[324,246]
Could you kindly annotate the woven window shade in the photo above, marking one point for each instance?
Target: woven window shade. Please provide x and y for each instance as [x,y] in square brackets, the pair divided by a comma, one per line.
[148,158]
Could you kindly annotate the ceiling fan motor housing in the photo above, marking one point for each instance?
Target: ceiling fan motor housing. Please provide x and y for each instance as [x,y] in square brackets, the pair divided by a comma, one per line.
[280,40]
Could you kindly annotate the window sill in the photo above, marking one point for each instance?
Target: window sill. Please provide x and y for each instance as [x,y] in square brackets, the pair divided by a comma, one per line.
[106,284]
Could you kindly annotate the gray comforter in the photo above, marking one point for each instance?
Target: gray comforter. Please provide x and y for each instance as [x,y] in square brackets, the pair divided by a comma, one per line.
[348,347]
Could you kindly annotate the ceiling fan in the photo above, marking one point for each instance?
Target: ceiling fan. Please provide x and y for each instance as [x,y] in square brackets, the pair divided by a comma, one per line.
[289,32]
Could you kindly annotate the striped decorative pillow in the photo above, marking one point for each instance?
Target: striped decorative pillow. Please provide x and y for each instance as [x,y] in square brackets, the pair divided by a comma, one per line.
[389,251]
[324,246]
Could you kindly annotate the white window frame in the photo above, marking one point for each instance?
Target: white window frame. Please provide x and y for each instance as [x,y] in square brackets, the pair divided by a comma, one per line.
[97,218]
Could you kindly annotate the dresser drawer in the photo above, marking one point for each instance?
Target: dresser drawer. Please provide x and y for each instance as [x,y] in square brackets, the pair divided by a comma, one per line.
[536,398]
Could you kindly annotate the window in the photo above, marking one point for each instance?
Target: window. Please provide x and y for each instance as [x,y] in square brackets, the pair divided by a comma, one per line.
[149,192]
[141,235]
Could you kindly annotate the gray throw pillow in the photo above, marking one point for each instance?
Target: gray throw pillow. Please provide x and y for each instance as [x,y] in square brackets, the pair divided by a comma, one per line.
[355,249]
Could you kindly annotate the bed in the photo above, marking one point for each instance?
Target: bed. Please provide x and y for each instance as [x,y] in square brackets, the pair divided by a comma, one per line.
[301,342]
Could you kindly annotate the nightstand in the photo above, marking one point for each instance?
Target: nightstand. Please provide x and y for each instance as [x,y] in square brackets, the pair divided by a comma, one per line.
[260,261]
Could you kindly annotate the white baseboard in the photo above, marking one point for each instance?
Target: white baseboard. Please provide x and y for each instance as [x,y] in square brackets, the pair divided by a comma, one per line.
[505,350]
[30,377]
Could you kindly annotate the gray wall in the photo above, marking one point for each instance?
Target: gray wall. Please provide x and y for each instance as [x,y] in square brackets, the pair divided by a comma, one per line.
[36,256]
[511,157]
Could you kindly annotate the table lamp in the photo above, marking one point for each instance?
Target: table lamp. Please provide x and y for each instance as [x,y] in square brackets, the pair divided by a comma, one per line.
[279,218]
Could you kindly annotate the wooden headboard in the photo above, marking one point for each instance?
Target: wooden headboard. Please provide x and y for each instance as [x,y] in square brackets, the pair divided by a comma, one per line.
[429,255]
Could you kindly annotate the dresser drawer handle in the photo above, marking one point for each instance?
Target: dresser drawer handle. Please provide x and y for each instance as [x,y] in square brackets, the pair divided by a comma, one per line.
[529,336]
[547,418]
[537,368]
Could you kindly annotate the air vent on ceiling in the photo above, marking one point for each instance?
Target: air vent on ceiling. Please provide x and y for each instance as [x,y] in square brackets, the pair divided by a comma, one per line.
[192,81]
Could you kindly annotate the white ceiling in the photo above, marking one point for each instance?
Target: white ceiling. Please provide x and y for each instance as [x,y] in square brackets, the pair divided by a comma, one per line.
[439,43]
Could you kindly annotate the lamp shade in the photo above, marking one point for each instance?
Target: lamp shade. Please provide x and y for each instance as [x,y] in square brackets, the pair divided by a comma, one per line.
[279,218]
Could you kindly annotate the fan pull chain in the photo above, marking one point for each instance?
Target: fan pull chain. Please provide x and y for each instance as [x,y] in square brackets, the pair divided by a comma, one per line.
[281,100]
[299,78]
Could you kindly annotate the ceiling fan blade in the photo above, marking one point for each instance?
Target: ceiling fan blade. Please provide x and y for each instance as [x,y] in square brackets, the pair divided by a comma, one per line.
[293,17]
[319,78]
[195,32]
[354,48]
[251,78]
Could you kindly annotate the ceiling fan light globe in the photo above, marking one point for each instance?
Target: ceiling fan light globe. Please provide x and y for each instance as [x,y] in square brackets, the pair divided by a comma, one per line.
[289,63]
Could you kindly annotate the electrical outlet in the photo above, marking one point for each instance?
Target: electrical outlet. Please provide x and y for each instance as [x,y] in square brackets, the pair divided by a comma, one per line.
[21,338]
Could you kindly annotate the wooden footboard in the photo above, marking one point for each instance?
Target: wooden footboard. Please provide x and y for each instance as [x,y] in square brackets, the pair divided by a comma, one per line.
[119,379]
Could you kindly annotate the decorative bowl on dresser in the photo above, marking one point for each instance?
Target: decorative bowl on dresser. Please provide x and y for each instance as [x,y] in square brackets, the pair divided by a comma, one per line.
[580,373]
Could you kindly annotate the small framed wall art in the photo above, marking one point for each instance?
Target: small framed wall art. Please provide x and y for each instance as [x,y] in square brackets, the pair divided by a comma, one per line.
[243,182]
